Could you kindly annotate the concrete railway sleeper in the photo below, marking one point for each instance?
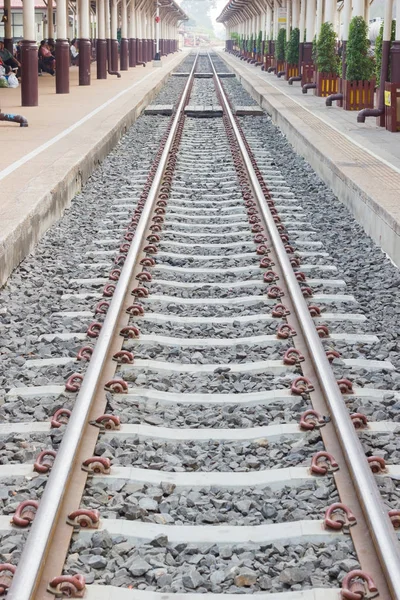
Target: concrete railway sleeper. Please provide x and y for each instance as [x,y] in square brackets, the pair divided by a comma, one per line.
[206,438]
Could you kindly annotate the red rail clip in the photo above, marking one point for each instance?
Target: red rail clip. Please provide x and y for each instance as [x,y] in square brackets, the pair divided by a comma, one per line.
[88,519]
[73,382]
[322,462]
[60,417]
[70,586]
[292,357]
[44,461]
[301,385]
[339,516]
[25,513]
[97,464]
[117,386]
[311,419]
[377,464]
[6,580]
[356,585]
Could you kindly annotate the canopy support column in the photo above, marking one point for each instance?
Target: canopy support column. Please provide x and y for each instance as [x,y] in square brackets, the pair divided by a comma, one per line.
[113,37]
[395,50]
[157,54]
[84,42]
[50,24]
[8,39]
[62,49]
[132,35]
[101,42]
[310,30]
[29,57]
[124,36]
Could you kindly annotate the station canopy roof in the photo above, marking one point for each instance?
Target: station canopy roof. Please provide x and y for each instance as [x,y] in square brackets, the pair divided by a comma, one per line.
[42,5]
[232,8]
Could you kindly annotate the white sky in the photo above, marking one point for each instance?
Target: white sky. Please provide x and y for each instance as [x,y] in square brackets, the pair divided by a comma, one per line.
[214,13]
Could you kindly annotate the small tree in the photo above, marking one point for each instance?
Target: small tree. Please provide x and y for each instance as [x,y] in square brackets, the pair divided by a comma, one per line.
[292,48]
[359,66]
[378,49]
[314,50]
[327,59]
[280,45]
[259,43]
[251,44]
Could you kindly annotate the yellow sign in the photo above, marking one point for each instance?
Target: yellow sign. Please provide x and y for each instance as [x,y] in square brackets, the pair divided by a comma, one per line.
[387,99]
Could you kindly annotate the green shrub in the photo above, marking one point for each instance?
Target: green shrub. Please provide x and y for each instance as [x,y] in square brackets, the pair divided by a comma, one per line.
[327,59]
[314,50]
[280,45]
[292,48]
[359,66]
[259,42]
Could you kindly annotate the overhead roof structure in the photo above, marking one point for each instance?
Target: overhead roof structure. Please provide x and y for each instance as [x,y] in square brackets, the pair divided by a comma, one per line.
[234,8]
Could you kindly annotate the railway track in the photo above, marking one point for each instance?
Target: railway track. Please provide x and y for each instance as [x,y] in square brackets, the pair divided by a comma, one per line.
[209,448]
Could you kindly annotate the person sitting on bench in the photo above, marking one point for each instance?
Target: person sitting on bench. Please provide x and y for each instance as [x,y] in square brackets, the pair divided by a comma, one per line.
[10,63]
[47,61]
[74,52]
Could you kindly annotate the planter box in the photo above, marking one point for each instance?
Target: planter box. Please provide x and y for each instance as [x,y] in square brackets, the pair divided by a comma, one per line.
[358,94]
[327,84]
[307,73]
[268,61]
[392,106]
[291,71]
[280,65]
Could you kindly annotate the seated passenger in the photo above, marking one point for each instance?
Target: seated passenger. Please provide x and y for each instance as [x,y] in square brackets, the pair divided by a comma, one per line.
[74,52]
[10,63]
[47,61]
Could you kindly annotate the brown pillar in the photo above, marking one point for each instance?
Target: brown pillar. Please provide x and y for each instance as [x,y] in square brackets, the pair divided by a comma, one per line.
[8,40]
[84,61]
[8,44]
[132,52]
[395,60]
[62,62]
[114,55]
[344,65]
[139,50]
[101,59]
[124,54]
[307,52]
[29,82]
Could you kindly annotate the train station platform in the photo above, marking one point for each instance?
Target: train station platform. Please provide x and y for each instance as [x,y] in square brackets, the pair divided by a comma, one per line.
[44,165]
[359,162]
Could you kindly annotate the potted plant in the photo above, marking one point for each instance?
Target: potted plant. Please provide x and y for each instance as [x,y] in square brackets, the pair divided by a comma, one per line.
[327,61]
[292,54]
[234,45]
[244,48]
[259,49]
[359,85]
[280,48]
[250,49]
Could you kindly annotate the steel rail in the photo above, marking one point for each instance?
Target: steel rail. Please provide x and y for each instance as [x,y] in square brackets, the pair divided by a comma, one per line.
[381,528]
[26,578]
